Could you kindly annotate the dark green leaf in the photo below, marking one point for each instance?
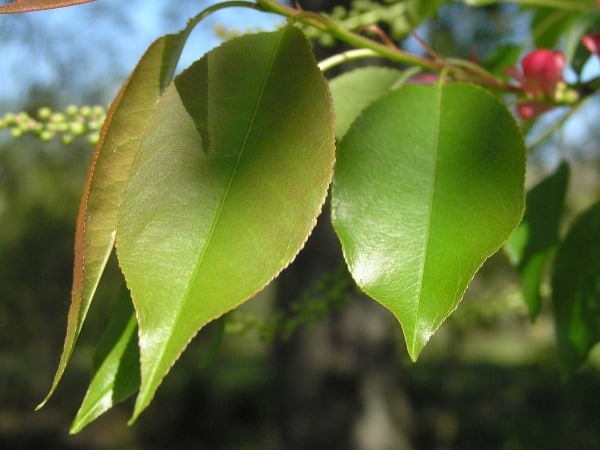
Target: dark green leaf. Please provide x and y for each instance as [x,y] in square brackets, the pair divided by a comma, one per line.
[576,290]
[116,366]
[549,24]
[428,184]
[534,241]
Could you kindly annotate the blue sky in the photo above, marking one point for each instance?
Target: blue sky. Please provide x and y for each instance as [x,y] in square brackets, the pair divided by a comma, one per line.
[82,48]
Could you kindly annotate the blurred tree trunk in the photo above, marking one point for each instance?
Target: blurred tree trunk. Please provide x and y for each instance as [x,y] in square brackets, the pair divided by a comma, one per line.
[338,384]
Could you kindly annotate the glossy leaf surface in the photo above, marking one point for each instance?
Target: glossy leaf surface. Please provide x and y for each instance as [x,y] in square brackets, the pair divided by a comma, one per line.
[424,192]
[532,244]
[576,291]
[354,91]
[227,186]
[19,6]
[116,366]
[113,156]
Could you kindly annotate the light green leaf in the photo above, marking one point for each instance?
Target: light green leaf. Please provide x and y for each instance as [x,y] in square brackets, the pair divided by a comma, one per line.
[480,2]
[230,179]
[428,184]
[576,291]
[113,156]
[354,91]
[116,366]
[532,244]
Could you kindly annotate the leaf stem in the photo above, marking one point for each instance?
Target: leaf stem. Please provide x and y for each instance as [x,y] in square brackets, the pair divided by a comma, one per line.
[191,24]
[356,40]
[459,69]
[350,55]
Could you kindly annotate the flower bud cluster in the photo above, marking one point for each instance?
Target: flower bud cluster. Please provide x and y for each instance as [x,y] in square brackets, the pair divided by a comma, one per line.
[541,79]
[47,124]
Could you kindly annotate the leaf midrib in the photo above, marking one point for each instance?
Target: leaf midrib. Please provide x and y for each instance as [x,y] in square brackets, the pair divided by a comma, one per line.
[201,257]
[425,247]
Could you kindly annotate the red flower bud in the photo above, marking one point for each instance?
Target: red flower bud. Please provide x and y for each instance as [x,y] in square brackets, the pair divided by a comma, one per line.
[592,42]
[540,80]
[542,71]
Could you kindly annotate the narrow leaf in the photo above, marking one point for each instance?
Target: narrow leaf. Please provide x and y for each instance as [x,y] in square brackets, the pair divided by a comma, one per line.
[113,156]
[532,244]
[576,291]
[116,373]
[19,6]
[428,184]
[354,91]
[227,186]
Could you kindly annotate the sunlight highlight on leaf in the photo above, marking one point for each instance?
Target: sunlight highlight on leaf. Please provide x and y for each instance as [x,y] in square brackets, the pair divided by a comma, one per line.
[424,192]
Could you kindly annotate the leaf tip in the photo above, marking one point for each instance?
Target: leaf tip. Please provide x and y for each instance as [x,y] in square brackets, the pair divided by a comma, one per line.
[48,395]
[418,339]
[41,404]
[137,410]
[75,428]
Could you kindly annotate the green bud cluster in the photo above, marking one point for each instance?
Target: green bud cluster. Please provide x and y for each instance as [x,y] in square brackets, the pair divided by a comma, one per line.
[46,124]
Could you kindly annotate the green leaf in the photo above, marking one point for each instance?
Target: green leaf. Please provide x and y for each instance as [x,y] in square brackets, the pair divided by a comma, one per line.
[475,3]
[228,184]
[502,58]
[19,6]
[113,156]
[354,91]
[576,53]
[576,290]
[532,244]
[116,366]
[428,184]
[549,24]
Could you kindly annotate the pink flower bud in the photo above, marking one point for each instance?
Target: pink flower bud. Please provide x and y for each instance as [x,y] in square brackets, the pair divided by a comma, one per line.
[542,72]
[592,42]
[540,80]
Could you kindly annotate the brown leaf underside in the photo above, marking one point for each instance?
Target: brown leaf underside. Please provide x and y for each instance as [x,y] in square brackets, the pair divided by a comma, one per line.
[19,6]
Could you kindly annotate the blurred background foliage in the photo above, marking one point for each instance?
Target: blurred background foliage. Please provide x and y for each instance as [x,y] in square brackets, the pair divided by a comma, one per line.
[488,380]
